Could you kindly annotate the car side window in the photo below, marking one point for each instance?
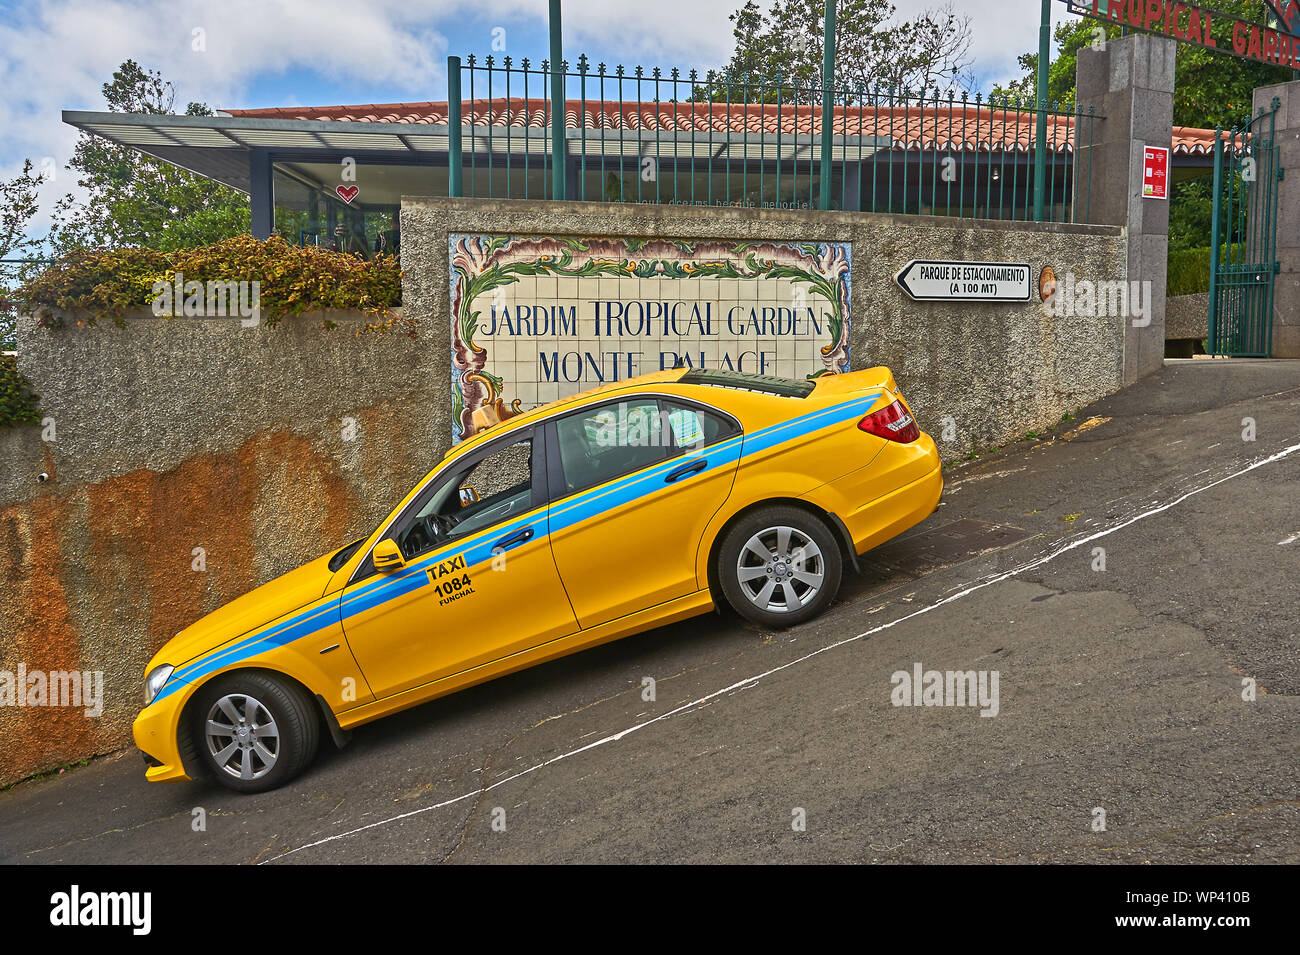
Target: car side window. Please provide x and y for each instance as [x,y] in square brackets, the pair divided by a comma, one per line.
[495,488]
[690,427]
[603,443]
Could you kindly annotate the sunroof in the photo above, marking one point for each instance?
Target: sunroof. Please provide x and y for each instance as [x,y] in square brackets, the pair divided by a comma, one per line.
[768,384]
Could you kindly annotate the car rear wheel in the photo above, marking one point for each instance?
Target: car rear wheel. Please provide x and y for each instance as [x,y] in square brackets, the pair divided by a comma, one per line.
[779,566]
[254,731]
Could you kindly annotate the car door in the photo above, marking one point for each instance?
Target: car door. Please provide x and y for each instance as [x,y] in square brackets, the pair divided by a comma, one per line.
[478,582]
[634,482]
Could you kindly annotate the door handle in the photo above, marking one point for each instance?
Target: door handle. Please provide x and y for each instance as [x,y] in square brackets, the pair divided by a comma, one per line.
[510,540]
[699,464]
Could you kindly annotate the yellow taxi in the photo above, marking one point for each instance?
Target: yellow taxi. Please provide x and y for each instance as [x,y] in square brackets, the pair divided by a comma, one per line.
[631,506]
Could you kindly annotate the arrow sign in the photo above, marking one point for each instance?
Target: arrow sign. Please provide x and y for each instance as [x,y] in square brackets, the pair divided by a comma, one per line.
[928,281]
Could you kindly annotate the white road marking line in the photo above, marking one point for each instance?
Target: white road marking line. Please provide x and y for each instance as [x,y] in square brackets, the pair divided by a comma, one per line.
[752,680]
[1290,540]
[980,477]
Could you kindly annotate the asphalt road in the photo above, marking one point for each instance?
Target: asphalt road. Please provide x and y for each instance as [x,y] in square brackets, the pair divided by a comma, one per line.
[1118,690]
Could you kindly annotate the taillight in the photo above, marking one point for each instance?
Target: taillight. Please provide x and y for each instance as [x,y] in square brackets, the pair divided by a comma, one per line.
[892,423]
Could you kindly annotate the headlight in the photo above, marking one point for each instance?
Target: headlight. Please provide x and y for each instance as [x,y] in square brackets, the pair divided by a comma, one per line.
[155,680]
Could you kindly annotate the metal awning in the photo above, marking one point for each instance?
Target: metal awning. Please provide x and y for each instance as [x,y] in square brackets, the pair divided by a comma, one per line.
[219,147]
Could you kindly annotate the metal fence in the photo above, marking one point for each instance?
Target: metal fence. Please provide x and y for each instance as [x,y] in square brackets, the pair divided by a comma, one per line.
[1243,245]
[650,136]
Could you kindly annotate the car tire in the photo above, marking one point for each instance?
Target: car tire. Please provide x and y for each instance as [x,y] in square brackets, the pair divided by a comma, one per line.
[254,731]
[777,590]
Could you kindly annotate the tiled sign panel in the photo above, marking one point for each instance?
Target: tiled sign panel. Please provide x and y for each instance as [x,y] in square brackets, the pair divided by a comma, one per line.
[536,318]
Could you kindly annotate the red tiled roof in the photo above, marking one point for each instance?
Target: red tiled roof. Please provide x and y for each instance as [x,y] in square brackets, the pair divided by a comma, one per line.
[912,127]
[1190,141]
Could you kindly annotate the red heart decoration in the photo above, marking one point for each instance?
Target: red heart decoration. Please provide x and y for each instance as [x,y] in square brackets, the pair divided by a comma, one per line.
[347,193]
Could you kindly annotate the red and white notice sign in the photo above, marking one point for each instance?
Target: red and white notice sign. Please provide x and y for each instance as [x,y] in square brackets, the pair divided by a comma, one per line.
[1155,172]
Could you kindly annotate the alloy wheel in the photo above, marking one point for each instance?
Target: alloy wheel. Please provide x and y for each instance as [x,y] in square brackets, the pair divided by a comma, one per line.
[242,737]
[780,569]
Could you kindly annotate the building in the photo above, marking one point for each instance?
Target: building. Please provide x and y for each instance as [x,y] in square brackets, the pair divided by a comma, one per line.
[335,175]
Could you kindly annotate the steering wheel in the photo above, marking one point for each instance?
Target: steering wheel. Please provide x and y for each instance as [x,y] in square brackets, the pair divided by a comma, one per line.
[423,534]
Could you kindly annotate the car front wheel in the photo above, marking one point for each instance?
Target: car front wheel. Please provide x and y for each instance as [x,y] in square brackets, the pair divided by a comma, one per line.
[254,731]
[779,566]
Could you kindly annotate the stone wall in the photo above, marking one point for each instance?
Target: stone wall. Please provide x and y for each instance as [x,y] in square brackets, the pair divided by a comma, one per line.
[1187,317]
[1129,82]
[996,370]
[1285,337]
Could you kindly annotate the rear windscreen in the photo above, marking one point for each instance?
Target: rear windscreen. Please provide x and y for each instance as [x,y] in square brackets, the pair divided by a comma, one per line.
[769,384]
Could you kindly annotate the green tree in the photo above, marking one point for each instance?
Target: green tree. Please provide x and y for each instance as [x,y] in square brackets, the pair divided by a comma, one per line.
[18,205]
[1210,88]
[132,199]
[1189,214]
[871,50]
[1070,37]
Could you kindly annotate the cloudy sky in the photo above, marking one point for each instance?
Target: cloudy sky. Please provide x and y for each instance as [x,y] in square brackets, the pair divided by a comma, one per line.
[55,54]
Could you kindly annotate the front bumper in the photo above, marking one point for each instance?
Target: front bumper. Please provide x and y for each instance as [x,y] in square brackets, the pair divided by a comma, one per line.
[156,736]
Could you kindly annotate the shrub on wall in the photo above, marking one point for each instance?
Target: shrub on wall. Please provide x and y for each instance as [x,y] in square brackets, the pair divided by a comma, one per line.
[1189,269]
[291,280]
[17,403]
[105,282]
[1189,272]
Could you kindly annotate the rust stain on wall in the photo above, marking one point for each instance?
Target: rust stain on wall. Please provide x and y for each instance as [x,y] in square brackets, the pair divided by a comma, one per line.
[38,632]
[99,577]
[303,504]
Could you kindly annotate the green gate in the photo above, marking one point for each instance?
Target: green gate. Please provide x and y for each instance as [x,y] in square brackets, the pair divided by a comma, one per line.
[1243,247]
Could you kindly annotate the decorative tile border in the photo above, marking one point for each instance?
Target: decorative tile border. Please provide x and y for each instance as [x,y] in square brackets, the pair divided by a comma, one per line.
[536,318]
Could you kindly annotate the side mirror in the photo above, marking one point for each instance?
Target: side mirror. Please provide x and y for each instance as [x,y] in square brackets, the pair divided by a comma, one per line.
[468,496]
[387,555]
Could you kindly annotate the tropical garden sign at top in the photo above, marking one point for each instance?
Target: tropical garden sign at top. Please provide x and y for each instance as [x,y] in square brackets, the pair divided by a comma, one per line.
[1198,26]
